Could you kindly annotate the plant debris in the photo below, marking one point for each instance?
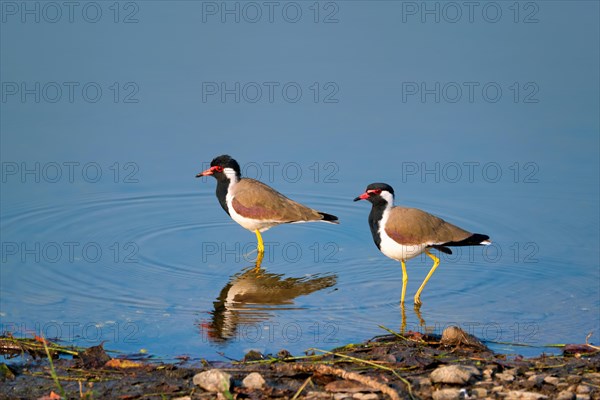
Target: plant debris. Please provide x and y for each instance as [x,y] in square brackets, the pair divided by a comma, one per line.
[395,366]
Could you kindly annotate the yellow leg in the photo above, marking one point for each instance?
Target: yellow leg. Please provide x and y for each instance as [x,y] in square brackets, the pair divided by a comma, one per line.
[260,246]
[404,282]
[259,259]
[436,262]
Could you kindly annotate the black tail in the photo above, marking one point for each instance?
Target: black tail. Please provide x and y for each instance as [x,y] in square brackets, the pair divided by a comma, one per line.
[475,239]
[329,218]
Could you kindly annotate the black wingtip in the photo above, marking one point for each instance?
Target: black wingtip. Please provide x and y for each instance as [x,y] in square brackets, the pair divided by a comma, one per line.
[479,238]
[475,239]
[329,218]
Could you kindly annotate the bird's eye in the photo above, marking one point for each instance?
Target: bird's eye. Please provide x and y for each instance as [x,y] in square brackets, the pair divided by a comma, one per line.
[217,168]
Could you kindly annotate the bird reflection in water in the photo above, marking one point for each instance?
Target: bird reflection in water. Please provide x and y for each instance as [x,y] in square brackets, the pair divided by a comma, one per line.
[417,309]
[252,295]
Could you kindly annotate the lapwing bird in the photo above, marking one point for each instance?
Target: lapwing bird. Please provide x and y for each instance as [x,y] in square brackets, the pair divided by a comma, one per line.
[254,205]
[403,233]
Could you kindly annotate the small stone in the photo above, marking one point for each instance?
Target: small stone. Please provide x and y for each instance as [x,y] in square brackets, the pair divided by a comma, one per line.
[341,396]
[497,389]
[595,376]
[458,374]
[253,355]
[573,378]
[506,377]
[552,380]
[565,395]
[446,394]
[454,336]
[478,393]
[583,389]
[421,382]
[536,380]
[583,397]
[522,395]
[213,380]
[253,381]
[487,374]
[283,353]
[182,398]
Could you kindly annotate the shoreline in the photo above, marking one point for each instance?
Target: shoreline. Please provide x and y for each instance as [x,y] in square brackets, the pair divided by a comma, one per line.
[454,365]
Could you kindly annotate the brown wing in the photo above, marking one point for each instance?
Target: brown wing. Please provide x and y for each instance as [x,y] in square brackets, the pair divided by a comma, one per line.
[412,226]
[256,200]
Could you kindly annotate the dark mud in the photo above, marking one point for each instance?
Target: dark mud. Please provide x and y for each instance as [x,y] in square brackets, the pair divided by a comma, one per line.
[454,366]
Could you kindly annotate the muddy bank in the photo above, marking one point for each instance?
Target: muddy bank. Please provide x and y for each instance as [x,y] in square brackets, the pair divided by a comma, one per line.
[454,366]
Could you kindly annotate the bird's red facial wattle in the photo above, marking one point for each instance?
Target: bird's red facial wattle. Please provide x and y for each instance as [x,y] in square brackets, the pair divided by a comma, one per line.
[367,194]
[210,171]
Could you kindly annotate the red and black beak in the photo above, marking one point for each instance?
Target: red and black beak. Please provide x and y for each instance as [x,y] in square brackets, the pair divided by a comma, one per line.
[208,172]
[363,196]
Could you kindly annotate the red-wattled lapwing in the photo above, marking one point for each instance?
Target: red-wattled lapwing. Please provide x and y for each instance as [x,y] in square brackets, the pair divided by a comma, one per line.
[254,205]
[402,233]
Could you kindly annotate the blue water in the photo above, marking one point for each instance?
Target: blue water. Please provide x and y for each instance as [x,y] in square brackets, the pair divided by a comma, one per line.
[107,235]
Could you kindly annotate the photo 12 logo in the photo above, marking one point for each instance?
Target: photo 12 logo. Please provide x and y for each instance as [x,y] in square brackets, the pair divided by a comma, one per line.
[469,92]
[69,92]
[68,172]
[291,252]
[54,12]
[70,332]
[453,12]
[470,172]
[253,12]
[270,92]
[288,171]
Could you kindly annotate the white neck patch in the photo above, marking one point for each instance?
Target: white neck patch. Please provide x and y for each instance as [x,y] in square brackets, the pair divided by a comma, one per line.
[230,173]
[388,197]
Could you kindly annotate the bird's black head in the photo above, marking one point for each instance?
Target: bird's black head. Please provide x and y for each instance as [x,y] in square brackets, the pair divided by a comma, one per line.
[223,167]
[378,193]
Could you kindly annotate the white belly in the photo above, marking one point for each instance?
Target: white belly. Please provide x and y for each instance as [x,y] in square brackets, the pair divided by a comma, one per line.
[398,251]
[248,223]
[393,249]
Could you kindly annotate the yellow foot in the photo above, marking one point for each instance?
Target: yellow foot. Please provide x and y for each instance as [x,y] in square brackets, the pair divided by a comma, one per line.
[260,247]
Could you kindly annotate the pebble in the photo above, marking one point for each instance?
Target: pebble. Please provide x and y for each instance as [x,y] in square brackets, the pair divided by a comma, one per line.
[213,380]
[254,380]
[421,382]
[253,355]
[592,375]
[478,393]
[342,396]
[446,394]
[504,376]
[537,380]
[565,395]
[522,395]
[182,398]
[458,374]
[487,374]
[583,397]
[583,389]
[552,380]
